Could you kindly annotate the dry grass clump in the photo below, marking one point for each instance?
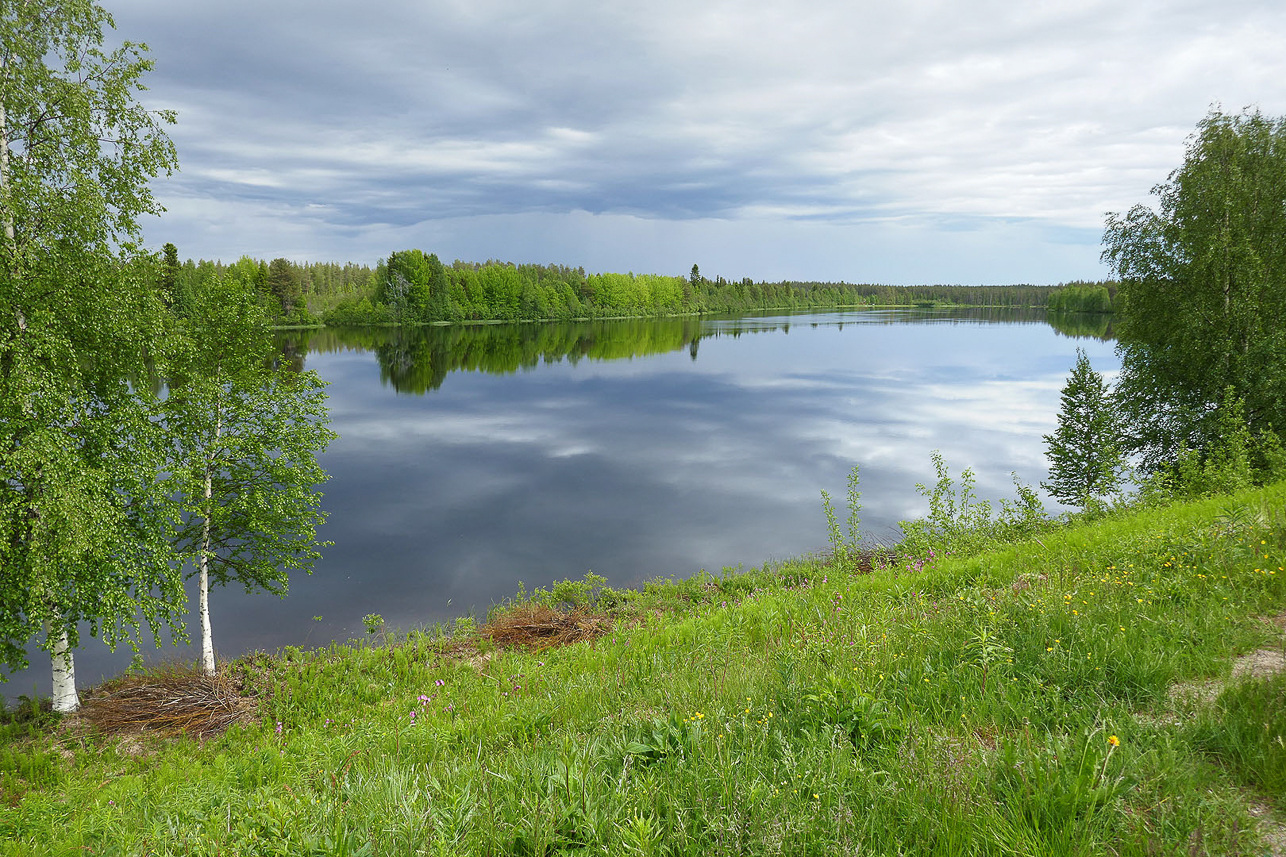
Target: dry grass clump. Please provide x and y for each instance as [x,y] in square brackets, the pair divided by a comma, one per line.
[538,626]
[170,700]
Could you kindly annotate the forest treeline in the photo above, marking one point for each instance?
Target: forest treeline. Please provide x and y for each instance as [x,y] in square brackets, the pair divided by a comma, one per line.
[1083,297]
[419,360]
[416,360]
[412,287]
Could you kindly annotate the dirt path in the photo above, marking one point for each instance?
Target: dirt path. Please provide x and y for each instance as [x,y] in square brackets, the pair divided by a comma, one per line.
[1259,664]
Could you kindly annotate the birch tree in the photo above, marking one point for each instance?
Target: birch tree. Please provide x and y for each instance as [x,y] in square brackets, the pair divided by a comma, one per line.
[1203,290]
[84,523]
[245,434]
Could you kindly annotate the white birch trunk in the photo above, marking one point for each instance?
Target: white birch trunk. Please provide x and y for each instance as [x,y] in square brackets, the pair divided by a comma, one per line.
[66,700]
[207,637]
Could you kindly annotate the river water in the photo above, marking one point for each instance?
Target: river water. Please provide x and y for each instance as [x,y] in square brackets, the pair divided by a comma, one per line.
[473,458]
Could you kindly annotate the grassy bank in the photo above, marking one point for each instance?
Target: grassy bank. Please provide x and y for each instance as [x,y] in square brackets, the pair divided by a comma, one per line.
[1048,697]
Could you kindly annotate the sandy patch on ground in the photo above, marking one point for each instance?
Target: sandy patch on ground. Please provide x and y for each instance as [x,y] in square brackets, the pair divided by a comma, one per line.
[1259,664]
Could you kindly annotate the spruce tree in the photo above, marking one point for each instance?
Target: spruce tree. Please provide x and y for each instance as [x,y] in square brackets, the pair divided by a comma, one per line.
[1084,452]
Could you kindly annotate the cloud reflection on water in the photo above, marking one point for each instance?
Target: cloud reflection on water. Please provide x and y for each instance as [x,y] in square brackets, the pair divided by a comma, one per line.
[659,465]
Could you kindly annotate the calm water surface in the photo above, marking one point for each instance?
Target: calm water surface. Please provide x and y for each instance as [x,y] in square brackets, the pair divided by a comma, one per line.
[471,459]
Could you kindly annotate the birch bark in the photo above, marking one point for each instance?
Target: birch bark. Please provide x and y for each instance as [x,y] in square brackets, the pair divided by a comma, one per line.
[207,638]
[66,700]
[84,522]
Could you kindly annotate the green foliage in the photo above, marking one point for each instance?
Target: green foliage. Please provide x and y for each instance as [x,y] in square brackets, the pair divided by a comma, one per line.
[1085,459]
[1022,517]
[82,516]
[987,650]
[27,716]
[413,287]
[960,523]
[283,285]
[1269,457]
[358,313]
[1080,299]
[868,723]
[572,594]
[1201,296]
[170,268]
[661,738]
[1226,468]
[845,550]
[1236,458]
[244,434]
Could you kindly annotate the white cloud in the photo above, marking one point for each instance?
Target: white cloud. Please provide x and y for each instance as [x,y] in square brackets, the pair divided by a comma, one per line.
[412,121]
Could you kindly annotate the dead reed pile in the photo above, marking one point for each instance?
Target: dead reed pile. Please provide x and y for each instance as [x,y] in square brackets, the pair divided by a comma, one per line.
[168,701]
[537,626]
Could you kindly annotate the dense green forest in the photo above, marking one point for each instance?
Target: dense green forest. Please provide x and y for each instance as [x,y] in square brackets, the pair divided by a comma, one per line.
[412,287]
[1083,297]
[415,360]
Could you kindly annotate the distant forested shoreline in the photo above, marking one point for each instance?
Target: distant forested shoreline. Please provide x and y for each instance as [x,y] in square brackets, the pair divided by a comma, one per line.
[411,287]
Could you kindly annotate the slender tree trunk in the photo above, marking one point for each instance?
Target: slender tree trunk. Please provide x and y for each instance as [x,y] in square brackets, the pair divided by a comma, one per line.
[66,699]
[4,173]
[207,638]
[62,660]
[10,239]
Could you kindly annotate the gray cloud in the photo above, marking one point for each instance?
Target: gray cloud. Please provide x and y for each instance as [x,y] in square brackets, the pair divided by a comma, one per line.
[321,131]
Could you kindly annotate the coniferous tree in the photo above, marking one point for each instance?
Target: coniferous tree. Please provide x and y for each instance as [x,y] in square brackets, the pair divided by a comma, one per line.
[170,274]
[283,284]
[1084,452]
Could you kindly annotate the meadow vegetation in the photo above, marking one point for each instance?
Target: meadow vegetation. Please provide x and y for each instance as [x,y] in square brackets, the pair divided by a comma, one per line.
[1015,688]
[997,682]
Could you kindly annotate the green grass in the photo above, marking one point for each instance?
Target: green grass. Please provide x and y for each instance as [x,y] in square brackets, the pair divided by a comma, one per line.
[1246,731]
[963,708]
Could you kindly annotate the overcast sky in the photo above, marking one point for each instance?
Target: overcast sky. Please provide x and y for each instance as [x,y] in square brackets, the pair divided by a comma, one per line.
[899,142]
